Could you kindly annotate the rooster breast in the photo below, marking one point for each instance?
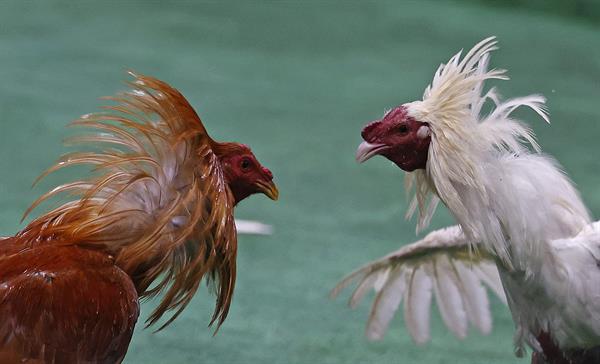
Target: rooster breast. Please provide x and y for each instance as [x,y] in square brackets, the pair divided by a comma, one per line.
[63,304]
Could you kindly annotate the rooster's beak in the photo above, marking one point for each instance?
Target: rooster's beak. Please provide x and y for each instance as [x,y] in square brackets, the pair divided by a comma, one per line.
[269,189]
[367,150]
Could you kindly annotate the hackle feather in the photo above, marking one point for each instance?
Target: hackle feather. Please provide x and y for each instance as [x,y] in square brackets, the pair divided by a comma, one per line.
[158,201]
[463,139]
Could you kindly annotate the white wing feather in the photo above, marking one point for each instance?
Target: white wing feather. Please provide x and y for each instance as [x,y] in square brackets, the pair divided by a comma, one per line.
[443,263]
[475,298]
[252,227]
[386,303]
[449,297]
[417,303]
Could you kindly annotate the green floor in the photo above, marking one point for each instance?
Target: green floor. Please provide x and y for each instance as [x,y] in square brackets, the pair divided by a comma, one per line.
[296,81]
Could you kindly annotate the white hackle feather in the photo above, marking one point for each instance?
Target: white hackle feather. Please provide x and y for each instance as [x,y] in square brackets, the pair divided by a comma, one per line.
[451,106]
[470,155]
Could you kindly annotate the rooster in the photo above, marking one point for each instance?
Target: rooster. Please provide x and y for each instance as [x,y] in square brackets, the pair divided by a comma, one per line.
[157,217]
[522,225]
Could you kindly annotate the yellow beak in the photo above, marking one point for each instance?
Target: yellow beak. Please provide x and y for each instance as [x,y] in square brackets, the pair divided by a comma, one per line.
[269,189]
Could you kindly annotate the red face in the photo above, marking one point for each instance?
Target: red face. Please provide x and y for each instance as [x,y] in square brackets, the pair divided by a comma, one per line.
[398,137]
[246,176]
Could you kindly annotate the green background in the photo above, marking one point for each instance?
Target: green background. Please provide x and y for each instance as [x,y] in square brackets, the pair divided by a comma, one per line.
[296,81]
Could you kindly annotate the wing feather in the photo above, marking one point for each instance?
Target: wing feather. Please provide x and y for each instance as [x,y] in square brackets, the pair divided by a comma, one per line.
[252,227]
[416,306]
[449,298]
[488,273]
[475,298]
[444,264]
[362,288]
[386,303]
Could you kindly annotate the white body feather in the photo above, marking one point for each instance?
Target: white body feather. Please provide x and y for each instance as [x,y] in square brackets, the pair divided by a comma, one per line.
[563,297]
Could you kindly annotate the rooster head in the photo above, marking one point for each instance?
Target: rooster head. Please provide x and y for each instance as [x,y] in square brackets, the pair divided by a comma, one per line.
[398,137]
[244,173]
[444,139]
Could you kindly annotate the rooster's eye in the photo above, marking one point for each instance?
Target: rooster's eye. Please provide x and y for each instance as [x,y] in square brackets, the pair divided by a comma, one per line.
[403,129]
[245,164]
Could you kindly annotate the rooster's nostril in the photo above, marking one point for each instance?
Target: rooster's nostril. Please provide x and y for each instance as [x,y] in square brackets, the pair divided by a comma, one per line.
[267,172]
[368,131]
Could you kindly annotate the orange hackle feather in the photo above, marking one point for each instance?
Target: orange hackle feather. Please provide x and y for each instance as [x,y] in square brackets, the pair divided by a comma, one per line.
[158,201]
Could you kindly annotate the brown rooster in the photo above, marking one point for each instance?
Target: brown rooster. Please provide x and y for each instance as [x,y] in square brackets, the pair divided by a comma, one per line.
[156,218]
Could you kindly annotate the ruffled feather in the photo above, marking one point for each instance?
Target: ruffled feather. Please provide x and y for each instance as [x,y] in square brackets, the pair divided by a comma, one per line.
[158,201]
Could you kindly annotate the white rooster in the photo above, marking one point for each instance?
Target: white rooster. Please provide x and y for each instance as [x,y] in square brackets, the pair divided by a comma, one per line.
[523,227]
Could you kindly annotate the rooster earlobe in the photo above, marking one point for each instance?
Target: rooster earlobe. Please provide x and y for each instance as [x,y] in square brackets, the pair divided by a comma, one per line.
[423,132]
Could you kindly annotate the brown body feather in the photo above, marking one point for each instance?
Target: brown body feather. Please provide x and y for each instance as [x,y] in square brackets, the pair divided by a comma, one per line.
[157,217]
[56,301]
